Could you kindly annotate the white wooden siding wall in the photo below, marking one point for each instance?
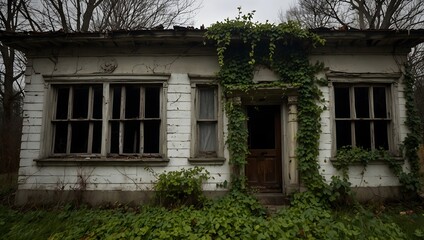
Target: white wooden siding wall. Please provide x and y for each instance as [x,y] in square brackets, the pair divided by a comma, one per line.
[179,130]
[130,178]
[178,123]
[31,128]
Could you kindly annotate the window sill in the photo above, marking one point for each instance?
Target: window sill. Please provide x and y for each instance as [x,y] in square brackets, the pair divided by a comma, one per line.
[107,161]
[376,162]
[207,161]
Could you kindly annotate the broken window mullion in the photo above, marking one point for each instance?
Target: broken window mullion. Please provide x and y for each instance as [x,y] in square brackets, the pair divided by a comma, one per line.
[105,144]
[90,138]
[90,103]
[372,116]
[372,135]
[352,114]
[121,122]
[141,116]
[70,107]
[90,118]
[141,137]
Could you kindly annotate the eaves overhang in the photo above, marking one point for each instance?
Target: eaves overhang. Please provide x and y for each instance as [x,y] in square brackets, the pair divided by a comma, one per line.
[26,41]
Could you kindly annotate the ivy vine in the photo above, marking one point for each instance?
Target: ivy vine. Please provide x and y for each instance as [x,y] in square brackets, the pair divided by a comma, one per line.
[413,139]
[241,44]
[283,48]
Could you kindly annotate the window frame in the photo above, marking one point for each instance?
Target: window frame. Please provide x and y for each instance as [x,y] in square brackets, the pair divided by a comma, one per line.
[141,119]
[47,155]
[390,82]
[197,158]
[69,120]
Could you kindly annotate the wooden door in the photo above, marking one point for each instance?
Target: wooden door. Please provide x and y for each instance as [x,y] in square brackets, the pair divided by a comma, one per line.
[263,169]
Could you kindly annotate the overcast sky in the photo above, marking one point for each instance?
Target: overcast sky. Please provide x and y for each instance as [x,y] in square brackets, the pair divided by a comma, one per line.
[218,10]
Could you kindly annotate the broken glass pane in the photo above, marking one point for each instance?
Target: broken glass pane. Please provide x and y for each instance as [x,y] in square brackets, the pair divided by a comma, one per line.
[363,134]
[80,103]
[62,103]
[362,102]
[343,134]
[61,137]
[380,102]
[116,104]
[151,136]
[97,101]
[131,137]
[152,102]
[380,134]
[79,139]
[97,137]
[132,101]
[342,106]
[114,137]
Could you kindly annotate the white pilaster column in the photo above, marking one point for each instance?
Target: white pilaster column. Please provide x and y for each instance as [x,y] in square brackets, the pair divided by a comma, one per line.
[292,141]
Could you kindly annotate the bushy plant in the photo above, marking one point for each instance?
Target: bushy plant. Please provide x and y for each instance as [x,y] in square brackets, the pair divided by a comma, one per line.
[234,216]
[182,187]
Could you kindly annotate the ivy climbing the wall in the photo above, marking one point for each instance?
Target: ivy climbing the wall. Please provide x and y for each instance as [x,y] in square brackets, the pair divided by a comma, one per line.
[241,45]
[411,142]
[284,48]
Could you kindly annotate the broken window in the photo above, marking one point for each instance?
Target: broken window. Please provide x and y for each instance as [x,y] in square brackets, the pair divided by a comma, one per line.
[78,119]
[362,116]
[132,124]
[135,123]
[206,121]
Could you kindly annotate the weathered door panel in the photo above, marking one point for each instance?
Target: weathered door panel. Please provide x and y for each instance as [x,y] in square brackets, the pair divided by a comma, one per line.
[263,169]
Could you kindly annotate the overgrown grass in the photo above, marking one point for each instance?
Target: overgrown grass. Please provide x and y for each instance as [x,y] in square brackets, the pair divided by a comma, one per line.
[236,216]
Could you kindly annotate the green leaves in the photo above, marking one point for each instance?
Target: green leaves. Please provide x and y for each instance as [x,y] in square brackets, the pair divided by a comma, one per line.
[411,142]
[183,187]
[234,216]
[241,44]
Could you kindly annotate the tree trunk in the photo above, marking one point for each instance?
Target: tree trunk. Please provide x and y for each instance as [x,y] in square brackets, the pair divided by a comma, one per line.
[361,14]
[10,137]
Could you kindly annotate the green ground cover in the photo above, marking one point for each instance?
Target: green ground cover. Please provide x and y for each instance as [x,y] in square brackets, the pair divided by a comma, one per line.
[235,216]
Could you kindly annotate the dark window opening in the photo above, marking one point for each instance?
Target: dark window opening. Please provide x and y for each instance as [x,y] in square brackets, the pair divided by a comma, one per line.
[114,137]
[116,95]
[97,102]
[80,103]
[79,139]
[151,136]
[362,134]
[371,120]
[343,133]
[127,134]
[78,119]
[132,137]
[61,137]
[380,108]
[62,103]
[380,133]
[342,106]
[97,137]
[362,102]
[152,102]
[132,102]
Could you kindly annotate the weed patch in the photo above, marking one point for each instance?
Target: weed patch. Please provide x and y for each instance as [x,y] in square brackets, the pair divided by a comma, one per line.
[235,216]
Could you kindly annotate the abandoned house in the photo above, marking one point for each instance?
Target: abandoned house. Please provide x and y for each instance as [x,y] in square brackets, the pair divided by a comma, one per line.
[102,111]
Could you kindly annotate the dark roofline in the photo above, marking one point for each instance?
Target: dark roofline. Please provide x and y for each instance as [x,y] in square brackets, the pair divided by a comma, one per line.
[32,40]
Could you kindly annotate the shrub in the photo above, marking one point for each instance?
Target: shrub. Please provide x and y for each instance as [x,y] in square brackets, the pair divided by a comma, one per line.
[183,187]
